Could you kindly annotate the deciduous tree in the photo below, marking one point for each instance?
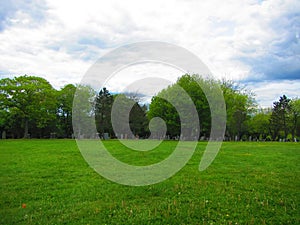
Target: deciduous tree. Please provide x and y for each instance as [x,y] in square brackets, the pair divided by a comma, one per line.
[30,98]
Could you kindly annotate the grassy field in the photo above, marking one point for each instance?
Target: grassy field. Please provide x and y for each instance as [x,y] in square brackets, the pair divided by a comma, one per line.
[48,182]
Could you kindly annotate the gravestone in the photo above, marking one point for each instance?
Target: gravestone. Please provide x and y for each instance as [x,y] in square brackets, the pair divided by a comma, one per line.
[105,136]
[4,135]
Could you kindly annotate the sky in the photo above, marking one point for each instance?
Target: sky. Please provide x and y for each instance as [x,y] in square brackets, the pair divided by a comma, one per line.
[253,42]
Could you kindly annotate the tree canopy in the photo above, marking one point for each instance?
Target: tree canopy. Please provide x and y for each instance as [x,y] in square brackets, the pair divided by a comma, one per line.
[28,99]
[31,107]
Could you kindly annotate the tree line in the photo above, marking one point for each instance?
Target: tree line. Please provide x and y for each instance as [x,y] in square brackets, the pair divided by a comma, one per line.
[31,107]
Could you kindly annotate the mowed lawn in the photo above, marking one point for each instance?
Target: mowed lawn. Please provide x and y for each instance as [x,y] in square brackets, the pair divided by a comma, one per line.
[48,182]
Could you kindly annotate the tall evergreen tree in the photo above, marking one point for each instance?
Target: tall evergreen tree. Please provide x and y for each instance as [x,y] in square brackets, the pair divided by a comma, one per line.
[103,105]
[138,121]
[279,118]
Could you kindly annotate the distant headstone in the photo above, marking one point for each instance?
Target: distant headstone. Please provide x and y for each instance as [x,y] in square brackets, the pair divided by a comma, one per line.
[105,136]
[52,135]
[4,134]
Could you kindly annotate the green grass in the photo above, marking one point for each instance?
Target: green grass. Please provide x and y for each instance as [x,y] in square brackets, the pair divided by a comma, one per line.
[248,183]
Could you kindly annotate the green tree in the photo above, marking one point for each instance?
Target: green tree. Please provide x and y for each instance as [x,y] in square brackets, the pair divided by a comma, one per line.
[129,118]
[295,117]
[239,102]
[190,83]
[258,125]
[4,119]
[279,118]
[239,105]
[162,108]
[64,111]
[83,112]
[138,120]
[31,98]
[103,105]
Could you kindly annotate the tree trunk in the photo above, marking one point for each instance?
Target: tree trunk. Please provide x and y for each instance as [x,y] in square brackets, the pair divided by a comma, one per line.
[26,128]
[295,120]
[285,129]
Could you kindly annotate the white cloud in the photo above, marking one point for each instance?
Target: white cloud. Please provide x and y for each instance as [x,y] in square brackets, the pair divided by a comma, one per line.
[70,36]
[157,75]
[269,92]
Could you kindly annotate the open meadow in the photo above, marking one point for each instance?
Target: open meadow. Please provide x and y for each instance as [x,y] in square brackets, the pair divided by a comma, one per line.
[49,182]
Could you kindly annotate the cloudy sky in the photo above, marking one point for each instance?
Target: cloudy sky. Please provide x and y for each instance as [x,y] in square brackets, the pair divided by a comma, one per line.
[253,42]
